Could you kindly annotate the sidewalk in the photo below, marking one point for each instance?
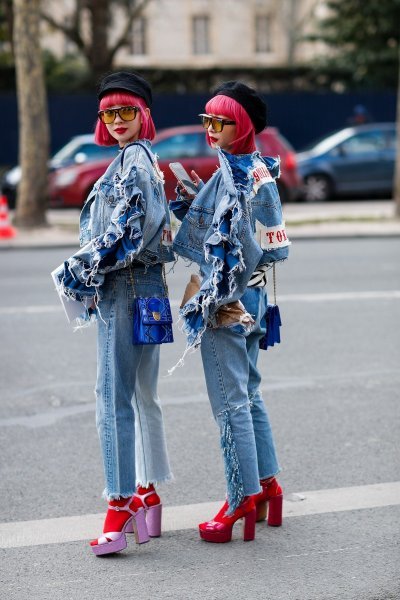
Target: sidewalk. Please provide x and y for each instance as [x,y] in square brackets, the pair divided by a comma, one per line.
[303,221]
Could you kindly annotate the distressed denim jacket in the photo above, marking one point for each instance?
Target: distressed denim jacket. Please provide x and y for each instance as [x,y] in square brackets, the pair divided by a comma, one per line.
[125,218]
[233,225]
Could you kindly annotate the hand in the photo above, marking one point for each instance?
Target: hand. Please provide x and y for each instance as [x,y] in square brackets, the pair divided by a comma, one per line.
[195,178]
[183,192]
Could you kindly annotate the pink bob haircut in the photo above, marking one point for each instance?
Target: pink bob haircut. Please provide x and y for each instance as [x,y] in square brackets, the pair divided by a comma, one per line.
[147,131]
[245,142]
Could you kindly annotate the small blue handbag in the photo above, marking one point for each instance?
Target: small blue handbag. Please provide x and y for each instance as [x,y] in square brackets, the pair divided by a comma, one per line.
[273,320]
[152,319]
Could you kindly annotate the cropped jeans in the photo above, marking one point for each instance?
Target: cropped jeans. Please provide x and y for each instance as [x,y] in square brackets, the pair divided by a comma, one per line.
[230,365]
[128,412]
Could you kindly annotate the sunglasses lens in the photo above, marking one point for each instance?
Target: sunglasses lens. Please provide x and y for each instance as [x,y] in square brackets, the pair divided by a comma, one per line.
[127,113]
[107,116]
[205,121]
[217,125]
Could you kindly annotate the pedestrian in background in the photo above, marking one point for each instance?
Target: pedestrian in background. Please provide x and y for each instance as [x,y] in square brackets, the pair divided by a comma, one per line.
[360,116]
[123,228]
[218,231]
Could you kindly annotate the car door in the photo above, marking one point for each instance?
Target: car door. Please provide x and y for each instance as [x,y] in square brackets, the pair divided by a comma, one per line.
[358,163]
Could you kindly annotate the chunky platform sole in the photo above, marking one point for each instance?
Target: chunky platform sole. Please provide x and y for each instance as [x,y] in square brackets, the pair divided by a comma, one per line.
[135,524]
[223,535]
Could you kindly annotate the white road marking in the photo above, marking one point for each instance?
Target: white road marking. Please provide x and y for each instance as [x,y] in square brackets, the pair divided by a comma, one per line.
[175,518]
[317,297]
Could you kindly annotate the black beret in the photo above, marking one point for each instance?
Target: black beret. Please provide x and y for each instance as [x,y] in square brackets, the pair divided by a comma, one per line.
[252,103]
[129,82]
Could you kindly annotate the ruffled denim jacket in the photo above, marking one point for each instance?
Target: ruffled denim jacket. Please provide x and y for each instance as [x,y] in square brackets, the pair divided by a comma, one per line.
[233,225]
[125,219]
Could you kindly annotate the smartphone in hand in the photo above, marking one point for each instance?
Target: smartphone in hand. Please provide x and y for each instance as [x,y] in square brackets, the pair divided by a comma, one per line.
[184,178]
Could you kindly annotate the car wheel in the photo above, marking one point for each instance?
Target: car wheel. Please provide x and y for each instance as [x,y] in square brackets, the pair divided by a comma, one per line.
[317,188]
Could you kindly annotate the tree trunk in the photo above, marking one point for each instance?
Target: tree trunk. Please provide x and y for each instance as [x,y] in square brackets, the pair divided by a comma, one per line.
[98,53]
[396,187]
[32,116]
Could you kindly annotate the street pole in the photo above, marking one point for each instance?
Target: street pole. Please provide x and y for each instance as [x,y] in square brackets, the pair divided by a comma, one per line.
[396,186]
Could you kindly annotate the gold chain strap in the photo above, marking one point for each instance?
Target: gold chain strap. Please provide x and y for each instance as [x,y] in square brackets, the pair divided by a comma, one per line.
[274,278]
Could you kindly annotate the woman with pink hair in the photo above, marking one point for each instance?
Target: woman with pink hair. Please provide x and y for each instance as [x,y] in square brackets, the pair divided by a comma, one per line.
[233,229]
[125,239]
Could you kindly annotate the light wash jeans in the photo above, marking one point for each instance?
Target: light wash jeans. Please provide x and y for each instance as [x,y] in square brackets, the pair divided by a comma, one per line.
[230,365]
[129,417]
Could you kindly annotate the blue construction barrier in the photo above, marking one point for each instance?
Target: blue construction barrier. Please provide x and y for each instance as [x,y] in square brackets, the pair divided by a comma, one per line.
[301,117]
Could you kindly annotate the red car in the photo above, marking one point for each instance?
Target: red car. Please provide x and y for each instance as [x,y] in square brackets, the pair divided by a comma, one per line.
[69,186]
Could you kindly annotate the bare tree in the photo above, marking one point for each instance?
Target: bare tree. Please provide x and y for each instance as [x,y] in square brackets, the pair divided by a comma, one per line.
[32,115]
[98,50]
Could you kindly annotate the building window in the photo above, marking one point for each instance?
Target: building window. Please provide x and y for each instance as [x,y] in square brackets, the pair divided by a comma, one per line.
[263,34]
[138,36]
[201,35]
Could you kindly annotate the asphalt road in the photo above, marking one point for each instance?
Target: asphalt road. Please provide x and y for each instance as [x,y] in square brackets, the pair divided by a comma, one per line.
[332,390]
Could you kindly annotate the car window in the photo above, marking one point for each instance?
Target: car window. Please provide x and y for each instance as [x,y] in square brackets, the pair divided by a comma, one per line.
[94,151]
[364,143]
[182,145]
[67,151]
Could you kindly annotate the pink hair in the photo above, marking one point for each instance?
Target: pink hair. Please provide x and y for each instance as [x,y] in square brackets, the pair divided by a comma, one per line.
[147,130]
[245,134]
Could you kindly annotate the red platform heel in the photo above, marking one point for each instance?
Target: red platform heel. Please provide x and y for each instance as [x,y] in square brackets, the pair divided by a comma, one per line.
[220,528]
[270,497]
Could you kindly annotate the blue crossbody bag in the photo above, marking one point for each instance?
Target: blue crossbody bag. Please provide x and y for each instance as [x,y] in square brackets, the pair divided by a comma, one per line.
[152,318]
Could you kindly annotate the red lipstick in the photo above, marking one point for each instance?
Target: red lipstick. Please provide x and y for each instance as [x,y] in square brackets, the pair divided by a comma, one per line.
[120,129]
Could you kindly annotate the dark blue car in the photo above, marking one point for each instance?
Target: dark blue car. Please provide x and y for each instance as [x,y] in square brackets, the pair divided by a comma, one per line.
[356,160]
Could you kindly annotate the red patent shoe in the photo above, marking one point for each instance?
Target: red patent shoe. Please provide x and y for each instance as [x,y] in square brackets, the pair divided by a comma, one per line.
[220,528]
[271,496]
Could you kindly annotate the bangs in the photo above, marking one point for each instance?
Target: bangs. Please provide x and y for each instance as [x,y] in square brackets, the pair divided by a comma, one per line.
[223,105]
[121,98]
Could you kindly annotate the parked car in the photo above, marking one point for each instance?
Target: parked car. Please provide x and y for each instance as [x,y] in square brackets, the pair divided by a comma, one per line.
[70,183]
[356,160]
[80,149]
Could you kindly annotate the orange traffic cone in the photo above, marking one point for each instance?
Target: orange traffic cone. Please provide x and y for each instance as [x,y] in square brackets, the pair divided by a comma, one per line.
[6,229]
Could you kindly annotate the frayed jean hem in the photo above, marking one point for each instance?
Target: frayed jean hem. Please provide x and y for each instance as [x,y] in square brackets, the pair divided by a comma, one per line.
[157,481]
[106,495]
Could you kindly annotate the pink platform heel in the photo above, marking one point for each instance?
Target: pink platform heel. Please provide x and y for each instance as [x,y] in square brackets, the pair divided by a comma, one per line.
[115,541]
[153,509]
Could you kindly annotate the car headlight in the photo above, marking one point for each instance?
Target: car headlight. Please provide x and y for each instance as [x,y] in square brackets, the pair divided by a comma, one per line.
[65,178]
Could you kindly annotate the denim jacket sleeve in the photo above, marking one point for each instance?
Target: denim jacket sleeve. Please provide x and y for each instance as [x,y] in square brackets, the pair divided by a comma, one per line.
[135,221]
[267,218]
[181,205]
